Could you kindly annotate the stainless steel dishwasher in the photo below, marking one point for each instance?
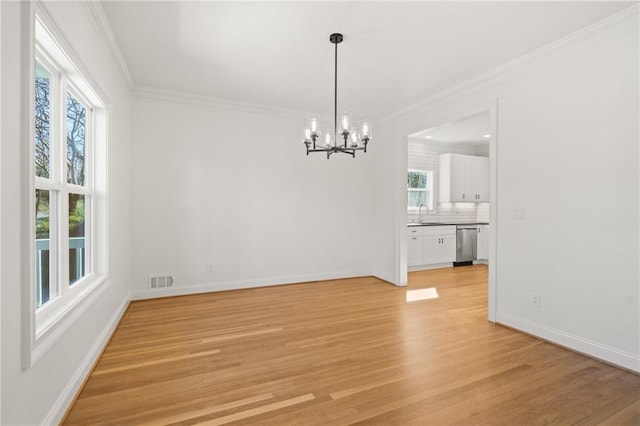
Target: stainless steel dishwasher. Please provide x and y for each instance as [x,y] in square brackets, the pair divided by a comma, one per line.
[466,244]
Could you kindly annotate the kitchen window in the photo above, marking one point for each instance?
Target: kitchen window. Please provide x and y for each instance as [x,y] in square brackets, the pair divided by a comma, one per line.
[68,161]
[419,189]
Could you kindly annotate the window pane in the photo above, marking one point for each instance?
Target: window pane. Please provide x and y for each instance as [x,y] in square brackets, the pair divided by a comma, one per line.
[43,241]
[415,198]
[76,237]
[416,180]
[76,126]
[42,116]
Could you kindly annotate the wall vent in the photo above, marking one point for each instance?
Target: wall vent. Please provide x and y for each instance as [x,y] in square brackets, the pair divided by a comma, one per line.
[161,281]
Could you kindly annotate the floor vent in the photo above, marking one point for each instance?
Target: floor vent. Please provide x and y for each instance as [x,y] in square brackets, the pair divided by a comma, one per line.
[161,281]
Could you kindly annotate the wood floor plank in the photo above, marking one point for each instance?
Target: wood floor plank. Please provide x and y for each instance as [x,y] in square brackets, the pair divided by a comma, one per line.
[258,410]
[344,352]
[100,371]
[629,415]
[194,414]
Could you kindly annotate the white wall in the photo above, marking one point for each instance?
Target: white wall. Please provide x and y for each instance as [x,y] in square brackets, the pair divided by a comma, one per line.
[567,152]
[234,188]
[0,216]
[41,393]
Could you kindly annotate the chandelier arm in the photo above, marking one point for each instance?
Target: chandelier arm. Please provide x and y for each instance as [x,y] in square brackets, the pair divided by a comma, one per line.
[351,152]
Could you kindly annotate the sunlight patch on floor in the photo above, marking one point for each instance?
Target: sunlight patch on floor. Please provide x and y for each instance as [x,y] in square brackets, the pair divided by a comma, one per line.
[422,294]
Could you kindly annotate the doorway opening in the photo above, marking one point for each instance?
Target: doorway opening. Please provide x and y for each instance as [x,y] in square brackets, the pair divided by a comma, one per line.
[451,195]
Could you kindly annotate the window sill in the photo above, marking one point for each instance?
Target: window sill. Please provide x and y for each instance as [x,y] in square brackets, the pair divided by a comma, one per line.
[54,319]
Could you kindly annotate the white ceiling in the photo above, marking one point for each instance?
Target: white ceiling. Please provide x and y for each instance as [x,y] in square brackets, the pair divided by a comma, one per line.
[470,130]
[278,53]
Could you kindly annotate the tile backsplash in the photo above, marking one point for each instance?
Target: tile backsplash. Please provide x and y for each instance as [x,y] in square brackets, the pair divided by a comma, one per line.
[453,212]
[483,212]
[423,155]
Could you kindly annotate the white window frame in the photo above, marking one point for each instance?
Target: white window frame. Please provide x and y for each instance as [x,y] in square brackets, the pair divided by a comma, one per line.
[428,189]
[48,322]
[60,190]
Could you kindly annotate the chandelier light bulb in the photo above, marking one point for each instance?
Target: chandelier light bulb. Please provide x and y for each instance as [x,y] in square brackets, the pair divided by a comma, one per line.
[307,134]
[354,138]
[365,127]
[345,123]
[327,139]
[313,124]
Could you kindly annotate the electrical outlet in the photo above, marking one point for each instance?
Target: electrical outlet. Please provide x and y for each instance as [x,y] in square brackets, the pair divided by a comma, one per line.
[519,213]
[536,300]
[209,267]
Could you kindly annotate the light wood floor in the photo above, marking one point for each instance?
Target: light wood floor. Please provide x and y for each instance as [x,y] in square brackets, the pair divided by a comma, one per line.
[344,352]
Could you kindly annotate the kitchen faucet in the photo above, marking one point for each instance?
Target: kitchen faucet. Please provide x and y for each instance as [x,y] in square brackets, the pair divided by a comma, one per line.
[420,211]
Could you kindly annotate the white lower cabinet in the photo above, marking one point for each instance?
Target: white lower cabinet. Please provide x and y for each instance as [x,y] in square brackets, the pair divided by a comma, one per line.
[430,245]
[439,249]
[415,250]
[483,242]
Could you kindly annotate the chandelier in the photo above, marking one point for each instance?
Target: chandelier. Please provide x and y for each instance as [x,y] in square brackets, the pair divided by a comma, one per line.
[345,139]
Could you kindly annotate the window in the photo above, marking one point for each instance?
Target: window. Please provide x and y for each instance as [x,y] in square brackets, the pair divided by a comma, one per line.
[68,160]
[63,192]
[419,189]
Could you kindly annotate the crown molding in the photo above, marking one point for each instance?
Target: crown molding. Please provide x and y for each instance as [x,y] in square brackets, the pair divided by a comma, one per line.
[507,70]
[482,81]
[104,28]
[153,93]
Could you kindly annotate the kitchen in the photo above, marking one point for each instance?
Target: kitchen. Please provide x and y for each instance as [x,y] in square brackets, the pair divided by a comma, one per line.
[448,194]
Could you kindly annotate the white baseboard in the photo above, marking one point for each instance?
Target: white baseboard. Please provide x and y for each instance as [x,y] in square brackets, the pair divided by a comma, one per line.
[386,277]
[588,347]
[427,267]
[67,396]
[181,290]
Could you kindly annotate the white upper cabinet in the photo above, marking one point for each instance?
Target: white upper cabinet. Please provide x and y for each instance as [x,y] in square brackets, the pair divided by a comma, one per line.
[464,178]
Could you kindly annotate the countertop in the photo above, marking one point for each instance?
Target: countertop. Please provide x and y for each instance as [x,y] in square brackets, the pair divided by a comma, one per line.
[446,223]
